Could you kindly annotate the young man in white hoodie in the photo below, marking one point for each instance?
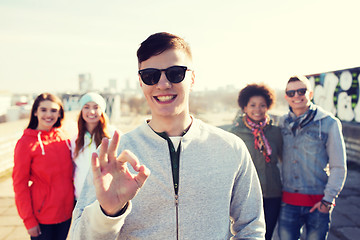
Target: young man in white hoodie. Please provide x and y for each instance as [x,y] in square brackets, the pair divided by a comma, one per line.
[203,184]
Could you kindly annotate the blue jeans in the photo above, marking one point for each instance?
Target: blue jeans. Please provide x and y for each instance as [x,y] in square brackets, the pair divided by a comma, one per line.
[293,218]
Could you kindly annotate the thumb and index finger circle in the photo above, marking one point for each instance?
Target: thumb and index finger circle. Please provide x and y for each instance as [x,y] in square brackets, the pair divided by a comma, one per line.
[143,171]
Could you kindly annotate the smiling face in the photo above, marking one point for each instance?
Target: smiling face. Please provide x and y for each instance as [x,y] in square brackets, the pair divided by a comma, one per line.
[299,104]
[91,113]
[168,100]
[256,108]
[47,114]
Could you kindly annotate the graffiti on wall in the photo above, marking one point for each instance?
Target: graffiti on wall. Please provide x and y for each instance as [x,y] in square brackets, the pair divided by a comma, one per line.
[338,92]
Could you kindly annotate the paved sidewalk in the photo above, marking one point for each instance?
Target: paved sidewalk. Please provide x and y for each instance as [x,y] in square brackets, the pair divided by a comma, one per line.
[346,215]
[11,226]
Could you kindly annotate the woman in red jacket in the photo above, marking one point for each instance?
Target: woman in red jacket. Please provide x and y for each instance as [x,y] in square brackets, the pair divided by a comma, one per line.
[42,174]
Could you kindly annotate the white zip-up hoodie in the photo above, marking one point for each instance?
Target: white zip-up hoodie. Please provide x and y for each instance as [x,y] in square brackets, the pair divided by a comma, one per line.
[82,162]
[219,191]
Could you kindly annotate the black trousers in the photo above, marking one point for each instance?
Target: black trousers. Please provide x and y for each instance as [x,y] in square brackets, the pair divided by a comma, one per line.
[54,231]
[271,211]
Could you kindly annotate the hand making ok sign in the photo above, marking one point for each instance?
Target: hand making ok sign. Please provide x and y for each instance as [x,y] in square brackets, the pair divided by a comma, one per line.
[114,184]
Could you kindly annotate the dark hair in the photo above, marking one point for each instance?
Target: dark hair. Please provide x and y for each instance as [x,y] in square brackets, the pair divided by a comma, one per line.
[33,123]
[256,90]
[99,132]
[299,78]
[160,42]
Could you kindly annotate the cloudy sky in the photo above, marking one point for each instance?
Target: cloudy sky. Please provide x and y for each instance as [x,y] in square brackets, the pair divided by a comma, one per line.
[46,44]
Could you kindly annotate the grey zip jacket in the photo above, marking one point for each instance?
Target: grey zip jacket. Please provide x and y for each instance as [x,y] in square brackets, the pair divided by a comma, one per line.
[219,192]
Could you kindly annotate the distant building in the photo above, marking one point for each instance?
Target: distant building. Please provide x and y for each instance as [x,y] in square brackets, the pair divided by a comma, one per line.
[5,103]
[127,84]
[14,106]
[112,85]
[85,82]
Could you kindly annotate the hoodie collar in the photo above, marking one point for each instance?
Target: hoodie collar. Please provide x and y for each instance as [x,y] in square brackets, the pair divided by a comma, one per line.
[39,134]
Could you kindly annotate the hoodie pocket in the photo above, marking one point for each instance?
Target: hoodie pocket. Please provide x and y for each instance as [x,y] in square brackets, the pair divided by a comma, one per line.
[41,206]
[38,195]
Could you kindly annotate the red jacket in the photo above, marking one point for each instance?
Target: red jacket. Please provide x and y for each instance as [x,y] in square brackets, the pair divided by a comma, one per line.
[43,159]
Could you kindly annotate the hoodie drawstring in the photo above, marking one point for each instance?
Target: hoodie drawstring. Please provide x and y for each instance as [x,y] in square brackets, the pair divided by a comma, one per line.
[41,144]
[67,144]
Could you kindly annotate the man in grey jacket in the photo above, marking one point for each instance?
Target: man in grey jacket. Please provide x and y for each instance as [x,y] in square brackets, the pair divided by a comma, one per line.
[314,164]
[203,184]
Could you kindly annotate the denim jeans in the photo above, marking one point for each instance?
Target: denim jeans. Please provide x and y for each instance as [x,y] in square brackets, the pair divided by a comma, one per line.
[293,218]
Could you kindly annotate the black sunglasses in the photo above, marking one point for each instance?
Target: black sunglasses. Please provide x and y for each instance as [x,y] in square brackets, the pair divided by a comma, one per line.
[151,76]
[300,92]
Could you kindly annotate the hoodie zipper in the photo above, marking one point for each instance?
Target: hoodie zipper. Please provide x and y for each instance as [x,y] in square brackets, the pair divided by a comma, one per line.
[175,162]
[175,167]
[177,215]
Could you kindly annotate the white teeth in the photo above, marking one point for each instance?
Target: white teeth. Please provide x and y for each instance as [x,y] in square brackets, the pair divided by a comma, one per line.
[164,98]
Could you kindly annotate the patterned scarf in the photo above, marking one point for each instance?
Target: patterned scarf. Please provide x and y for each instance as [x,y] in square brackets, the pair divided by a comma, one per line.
[297,123]
[260,141]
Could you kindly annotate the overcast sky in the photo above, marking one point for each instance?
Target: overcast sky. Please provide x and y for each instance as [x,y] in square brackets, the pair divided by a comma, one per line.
[45,44]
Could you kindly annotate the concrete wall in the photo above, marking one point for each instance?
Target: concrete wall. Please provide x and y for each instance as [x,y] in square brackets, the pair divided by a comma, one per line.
[352,140]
